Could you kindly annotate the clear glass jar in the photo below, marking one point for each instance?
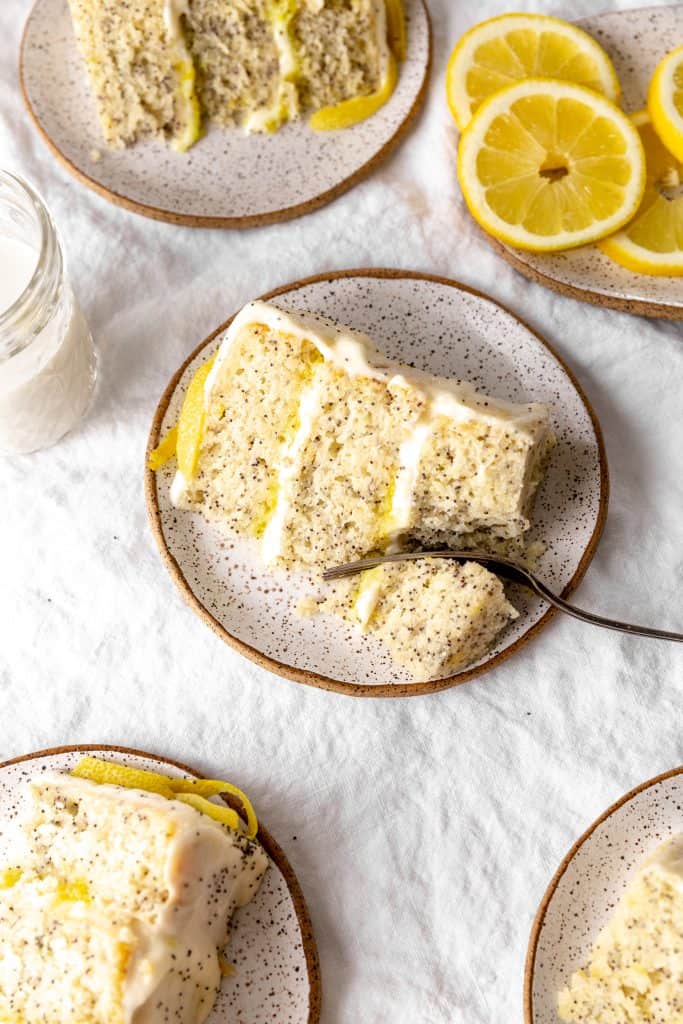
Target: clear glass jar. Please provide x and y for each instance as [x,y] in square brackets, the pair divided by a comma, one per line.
[47,360]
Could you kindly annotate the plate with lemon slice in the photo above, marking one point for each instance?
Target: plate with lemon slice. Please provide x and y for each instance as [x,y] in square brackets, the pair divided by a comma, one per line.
[187,153]
[571,151]
[269,965]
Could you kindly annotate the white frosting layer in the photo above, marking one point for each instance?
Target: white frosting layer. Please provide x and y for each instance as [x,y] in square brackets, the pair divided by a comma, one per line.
[309,407]
[172,12]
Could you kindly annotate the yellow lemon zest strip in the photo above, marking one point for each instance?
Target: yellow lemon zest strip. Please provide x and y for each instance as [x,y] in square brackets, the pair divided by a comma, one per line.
[358,108]
[193,792]
[191,422]
[164,451]
[216,787]
[112,774]
[225,815]
[396,28]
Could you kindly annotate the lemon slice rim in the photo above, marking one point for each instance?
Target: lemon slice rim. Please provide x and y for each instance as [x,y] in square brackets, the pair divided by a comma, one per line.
[666,118]
[497,105]
[470,38]
[628,254]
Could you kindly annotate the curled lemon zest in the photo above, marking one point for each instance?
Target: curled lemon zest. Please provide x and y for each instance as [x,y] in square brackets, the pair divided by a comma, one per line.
[225,815]
[193,792]
[396,28]
[358,108]
[164,451]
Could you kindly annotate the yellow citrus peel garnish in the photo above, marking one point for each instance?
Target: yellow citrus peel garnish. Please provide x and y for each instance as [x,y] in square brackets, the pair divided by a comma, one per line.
[191,422]
[194,792]
[396,28]
[358,108]
[164,451]
[184,440]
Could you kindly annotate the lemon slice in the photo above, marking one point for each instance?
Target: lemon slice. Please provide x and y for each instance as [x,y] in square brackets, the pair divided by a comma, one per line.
[358,108]
[547,165]
[665,101]
[652,243]
[191,422]
[511,47]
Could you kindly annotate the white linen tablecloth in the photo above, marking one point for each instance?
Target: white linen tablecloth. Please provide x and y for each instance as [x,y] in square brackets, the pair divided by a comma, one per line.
[424,830]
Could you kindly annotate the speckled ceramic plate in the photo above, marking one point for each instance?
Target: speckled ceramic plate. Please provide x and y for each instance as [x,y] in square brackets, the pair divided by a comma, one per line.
[439,326]
[636,41]
[588,883]
[228,179]
[272,946]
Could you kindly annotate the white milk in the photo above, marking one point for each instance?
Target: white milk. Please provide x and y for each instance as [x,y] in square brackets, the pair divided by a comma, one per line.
[46,387]
[17,263]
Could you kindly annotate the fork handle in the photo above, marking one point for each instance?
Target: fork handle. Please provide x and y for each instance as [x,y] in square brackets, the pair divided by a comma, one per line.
[598,620]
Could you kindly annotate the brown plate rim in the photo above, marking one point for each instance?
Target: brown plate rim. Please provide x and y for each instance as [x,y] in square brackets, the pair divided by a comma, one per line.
[316,679]
[539,919]
[272,848]
[637,307]
[250,220]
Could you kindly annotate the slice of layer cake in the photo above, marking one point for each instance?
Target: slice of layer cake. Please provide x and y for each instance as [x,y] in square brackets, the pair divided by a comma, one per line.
[635,971]
[118,902]
[140,70]
[434,615]
[314,443]
[157,66]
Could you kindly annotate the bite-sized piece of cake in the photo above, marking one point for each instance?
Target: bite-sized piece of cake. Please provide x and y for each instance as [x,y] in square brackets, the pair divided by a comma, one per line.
[635,971]
[327,451]
[140,71]
[436,616]
[117,904]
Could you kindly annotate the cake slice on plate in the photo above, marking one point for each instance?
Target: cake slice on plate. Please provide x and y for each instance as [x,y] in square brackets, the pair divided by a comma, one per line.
[635,971]
[118,900]
[326,451]
[157,67]
[299,434]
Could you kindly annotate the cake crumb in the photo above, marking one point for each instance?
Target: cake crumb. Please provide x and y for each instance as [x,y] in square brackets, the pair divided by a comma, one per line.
[307,606]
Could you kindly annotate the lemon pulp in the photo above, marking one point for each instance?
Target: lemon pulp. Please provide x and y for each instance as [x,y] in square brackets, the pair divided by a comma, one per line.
[512,47]
[547,165]
[665,101]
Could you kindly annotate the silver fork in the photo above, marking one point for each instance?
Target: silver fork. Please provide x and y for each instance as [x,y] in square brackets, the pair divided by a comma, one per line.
[507,570]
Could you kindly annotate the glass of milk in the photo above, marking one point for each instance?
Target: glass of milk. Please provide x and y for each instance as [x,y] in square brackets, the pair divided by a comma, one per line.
[47,359]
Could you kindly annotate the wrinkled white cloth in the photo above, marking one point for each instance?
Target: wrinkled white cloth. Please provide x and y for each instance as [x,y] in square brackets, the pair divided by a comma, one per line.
[423,831]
